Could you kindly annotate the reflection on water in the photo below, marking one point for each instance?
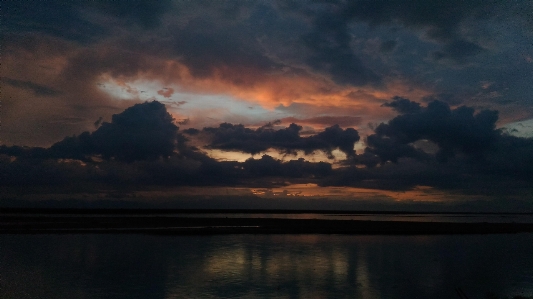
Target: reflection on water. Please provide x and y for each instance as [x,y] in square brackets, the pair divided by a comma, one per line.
[264,266]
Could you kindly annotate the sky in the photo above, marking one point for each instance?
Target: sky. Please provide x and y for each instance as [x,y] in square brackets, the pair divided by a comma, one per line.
[378,100]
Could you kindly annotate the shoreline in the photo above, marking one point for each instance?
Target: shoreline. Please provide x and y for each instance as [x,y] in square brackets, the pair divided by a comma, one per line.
[144,211]
[39,221]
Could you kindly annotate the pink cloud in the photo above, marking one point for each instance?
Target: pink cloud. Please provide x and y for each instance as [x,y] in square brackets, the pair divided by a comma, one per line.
[166,92]
[343,121]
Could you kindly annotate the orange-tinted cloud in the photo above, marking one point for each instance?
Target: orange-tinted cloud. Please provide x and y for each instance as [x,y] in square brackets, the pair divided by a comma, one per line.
[79,75]
[343,121]
[167,92]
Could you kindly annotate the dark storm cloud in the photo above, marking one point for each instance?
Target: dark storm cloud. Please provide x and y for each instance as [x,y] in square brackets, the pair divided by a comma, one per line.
[207,37]
[268,166]
[35,171]
[127,152]
[485,161]
[288,140]
[388,46]
[449,98]
[143,131]
[453,130]
[333,55]
[440,19]
[190,169]
[143,12]
[458,50]
[55,17]
[88,64]
[98,122]
[191,131]
[471,154]
[511,156]
[37,89]
[24,152]
[67,19]
[403,106]
[205,50]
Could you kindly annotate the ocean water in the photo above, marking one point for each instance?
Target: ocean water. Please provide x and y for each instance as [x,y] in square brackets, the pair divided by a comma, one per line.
[264,266]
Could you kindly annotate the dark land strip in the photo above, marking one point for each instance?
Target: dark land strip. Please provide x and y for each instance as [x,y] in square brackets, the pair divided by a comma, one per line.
[152,211]
[36,222]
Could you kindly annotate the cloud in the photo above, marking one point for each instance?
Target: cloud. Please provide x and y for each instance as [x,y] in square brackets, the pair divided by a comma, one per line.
[55,18]
[128,151]
[166,92]
[388,46]
[37,89]
[98,122]
[453,130]
[141,147]
[288,140]
[143,131]
[458,50]
[268,166]
[441,147]
[449,98]
[207,53]
[403,106]
[267,53]
[440,20]
[343,121]
[332,54]
[147,14]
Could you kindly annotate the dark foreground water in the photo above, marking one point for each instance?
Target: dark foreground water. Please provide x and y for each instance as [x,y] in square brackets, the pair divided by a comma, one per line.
[264,266]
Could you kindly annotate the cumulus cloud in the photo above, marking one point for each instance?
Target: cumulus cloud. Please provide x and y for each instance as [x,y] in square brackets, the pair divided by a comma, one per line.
[453,130]
[143,131]
[403,106]
[139,147]
[288,140]
[441,147]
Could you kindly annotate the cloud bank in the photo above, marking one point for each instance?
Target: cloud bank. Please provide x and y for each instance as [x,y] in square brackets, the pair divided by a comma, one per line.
[454,150]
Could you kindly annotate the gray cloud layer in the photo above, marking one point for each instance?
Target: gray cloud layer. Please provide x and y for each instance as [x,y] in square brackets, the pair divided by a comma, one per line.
[288,140]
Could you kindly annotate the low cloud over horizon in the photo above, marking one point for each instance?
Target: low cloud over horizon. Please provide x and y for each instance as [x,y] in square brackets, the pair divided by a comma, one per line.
[456,151]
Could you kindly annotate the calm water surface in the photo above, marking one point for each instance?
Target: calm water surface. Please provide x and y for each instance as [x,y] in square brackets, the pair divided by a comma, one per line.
[264,266]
